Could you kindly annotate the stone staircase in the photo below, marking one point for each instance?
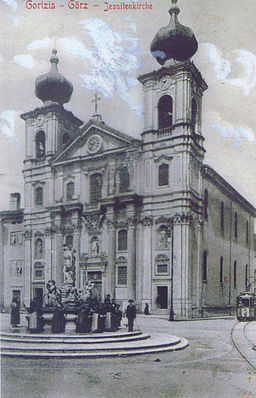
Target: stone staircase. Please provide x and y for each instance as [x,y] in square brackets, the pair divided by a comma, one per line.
[107,344]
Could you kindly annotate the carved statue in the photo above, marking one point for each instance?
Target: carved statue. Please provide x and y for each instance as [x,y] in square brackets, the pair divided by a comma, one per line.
[95,248]
[163,238]
[53,297]
[69,261]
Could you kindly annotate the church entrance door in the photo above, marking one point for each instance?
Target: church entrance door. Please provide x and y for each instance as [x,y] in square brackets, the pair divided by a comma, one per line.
[162,297]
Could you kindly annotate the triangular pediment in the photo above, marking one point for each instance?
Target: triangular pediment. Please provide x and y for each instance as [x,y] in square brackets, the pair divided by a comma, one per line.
[105,140]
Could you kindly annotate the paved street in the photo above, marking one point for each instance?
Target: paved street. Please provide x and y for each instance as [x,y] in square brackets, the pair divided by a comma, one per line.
[209,368]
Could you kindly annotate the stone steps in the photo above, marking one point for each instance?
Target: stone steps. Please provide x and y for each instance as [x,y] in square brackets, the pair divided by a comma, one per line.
[79,346]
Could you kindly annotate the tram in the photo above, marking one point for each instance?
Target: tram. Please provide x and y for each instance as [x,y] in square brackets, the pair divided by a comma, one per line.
[246,306]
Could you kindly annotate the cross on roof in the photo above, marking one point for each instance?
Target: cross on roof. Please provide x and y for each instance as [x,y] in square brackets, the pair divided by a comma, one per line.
[96,99]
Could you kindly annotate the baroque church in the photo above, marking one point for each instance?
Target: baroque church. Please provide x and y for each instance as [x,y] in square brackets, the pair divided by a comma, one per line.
[138,218]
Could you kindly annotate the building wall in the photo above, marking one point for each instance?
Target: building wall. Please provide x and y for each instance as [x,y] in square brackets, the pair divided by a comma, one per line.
[233,244]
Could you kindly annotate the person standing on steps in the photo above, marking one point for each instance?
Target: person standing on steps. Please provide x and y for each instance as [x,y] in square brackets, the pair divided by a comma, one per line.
[15,312]
[130,314]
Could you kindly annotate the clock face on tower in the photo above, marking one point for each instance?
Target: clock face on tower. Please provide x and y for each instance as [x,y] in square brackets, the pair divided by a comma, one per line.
[94,143]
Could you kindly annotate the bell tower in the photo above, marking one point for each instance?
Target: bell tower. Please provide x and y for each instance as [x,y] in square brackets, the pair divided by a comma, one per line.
[173,155]
[50,127]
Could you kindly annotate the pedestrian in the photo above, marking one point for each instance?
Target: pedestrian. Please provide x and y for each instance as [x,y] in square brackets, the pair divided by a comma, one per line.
[146,310]
[15,312]
[58,319]
[130,314]
[35,320]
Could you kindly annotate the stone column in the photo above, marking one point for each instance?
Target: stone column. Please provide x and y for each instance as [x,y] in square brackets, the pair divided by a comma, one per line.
[199,283]
[76,245]
[146,264]
[57,271]
[48,255]
[131,263]
[181,265]
[111,267]
[28,267]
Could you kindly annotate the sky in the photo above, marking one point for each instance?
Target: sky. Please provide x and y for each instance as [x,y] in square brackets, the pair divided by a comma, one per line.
[105,51]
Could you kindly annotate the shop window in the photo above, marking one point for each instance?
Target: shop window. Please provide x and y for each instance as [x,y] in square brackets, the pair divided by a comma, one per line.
[122,240]
[163,174]
[165,112]
[40,145]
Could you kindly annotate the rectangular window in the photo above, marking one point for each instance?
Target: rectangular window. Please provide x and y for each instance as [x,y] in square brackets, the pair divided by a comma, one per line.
[235,274]
[122,275]
[163,175]
[39,273]
[205,266]
[222,216]
[16,267]
[221,269]
[162,268]
[13,238]
[235,225]
[247,232]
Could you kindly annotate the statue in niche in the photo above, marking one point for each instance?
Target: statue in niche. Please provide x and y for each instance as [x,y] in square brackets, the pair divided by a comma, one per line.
[69,261]
[95,247]
[163,238]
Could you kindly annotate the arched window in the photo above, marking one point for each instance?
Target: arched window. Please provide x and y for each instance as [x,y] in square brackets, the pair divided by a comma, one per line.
[206,204]
[40,144]
[65,138]
[70,190]
[205,266]
[122,240]
[194,116]
[95,187]
[221,269]
[165,111]
[69,241]
[39,196]
[124,179]
[121,265]
[235,274]
[38,248]
[162,264]
[163,174]
[222,216]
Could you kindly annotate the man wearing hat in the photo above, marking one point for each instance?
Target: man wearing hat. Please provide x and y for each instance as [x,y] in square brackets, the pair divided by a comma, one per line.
[130,314]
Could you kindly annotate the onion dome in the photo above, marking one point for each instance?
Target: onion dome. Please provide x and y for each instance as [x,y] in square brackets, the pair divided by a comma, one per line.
[53,86]
[174,41]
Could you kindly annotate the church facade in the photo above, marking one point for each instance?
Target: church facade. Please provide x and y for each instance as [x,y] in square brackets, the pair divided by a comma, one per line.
[138,218]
